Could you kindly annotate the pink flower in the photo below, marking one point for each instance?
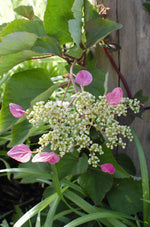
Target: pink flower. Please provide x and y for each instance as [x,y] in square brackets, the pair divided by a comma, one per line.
[107,167]
[20,153]
[84,78]
[16,110]
[115,97]
[50,157]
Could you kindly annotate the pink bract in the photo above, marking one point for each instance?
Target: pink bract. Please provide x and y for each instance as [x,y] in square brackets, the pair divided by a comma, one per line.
[84,78]
[50,157]
[115,97]
[108,167]
[16,110]
[20,153]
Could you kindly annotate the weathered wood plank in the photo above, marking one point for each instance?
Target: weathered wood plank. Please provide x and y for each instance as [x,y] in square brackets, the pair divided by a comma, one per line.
[133,60]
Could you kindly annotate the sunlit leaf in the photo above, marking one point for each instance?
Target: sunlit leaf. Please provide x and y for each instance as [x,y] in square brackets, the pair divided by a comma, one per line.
[22,25]
[56,18]
[21,88]
[25,11]
[75,25]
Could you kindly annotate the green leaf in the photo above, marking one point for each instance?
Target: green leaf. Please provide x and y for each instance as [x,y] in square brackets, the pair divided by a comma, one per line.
[44,96]
[139,95]
[97,87]
[27,171]
[25,11]
[75,52]
[96,184]
[47,45]
[21,88]
[4,223]
[147,6]
[75,25]
[7,166]
[38,220]
[127,164]
[37,208]
[98,29]
[74,165]
[16,42]
[145,178]
[9,61]
[56,18]
[108,157]
[22,25]
[20,132]
[89,208]
[97,216]
[90,12]
[127,192]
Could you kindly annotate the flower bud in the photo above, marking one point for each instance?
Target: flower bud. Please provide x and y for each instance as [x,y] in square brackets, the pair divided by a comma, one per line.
[50,157]
[83,78]
[16,110]
[108,167]
[115,97]
[20,153]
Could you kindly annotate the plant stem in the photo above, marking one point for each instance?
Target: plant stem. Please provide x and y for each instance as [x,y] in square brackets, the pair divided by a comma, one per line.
[118,72]
[71,76]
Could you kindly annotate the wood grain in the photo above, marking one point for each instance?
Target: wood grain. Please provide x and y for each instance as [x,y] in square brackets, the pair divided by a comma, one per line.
[133,60]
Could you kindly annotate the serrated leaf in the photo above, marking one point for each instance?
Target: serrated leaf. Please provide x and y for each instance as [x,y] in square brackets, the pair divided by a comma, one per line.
[75,25]
[98,29]
[21,88]
[126,196]
[25,11]
[56,18]
[74,165]
[47,45]
[22,25]
[96,184]
[16,42]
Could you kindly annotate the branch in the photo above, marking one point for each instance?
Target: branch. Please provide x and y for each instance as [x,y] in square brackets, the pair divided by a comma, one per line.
[118,72]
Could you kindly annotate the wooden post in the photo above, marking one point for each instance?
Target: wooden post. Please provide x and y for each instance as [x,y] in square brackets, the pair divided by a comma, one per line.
[133,60]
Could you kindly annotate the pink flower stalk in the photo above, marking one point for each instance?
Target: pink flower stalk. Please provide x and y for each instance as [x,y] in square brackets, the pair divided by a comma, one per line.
[20,153]
[84,78]
[115,97]
[50,157]
[107,167]
[16,110]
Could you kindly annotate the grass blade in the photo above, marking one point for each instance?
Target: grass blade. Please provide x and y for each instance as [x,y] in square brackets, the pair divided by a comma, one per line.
[145,178]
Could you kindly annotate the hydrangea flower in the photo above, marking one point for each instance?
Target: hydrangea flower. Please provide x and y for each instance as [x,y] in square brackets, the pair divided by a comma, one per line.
[83,78]
[115,97]
[108,167]
[16,110]
[50,157]
[20,153]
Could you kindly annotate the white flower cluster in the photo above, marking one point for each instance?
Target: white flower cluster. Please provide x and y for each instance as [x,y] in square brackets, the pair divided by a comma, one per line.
[71,127]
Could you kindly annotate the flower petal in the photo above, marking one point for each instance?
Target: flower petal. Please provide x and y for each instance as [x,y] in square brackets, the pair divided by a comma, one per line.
[50,157]
[108,167]
[115,97]
[84,78]
[16,110]
[20,153]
